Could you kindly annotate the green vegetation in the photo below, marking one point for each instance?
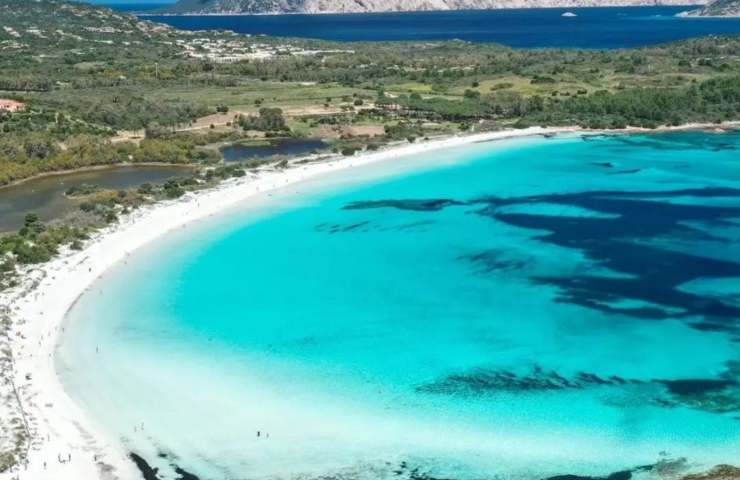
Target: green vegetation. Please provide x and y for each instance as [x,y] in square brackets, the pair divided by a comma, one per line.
[268,120]
[101,88]
[84,189]
[714,100]
[38,243]
[22,156]
[7,272]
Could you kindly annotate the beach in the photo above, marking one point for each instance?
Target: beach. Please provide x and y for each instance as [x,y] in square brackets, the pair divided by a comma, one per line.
[65,442]
[420,245]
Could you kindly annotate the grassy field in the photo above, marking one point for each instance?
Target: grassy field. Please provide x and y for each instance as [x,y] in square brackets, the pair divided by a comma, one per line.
[268,93]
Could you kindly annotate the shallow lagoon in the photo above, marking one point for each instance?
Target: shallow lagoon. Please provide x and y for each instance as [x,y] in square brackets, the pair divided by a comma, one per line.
[45,197]
[524,309]
[273,147]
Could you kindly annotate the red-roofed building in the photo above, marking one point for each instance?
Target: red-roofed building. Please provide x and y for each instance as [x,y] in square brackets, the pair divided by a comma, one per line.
[11,105]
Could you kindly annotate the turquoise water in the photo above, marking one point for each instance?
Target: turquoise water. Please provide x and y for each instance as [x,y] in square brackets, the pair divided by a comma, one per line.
[519,309]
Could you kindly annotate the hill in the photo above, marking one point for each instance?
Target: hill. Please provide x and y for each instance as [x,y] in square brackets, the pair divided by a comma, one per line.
[39,37]
[717,8]
[364,6]
[51,24]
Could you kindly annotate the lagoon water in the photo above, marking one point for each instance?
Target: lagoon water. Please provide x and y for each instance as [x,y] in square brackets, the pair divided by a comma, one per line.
[595,28]
[518,309]
[288,147]
[45,196]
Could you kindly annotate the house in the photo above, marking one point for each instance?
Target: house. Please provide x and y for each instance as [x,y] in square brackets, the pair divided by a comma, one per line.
[11,105]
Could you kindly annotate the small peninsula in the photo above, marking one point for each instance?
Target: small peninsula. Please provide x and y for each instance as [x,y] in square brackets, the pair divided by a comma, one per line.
[717,8]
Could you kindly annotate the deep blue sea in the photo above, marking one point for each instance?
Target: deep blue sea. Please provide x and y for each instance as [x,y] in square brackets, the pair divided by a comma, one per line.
[518,309]
[593,28]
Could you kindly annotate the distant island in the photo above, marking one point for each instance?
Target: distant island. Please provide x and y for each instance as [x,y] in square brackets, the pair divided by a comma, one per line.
[255,7]
[717,8]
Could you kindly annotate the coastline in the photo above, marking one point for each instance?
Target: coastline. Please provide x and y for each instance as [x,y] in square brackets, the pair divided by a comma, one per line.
[59,428]
[625,4]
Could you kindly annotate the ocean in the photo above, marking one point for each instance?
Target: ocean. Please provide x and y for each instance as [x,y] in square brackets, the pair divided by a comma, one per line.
[517,309]
[593,28]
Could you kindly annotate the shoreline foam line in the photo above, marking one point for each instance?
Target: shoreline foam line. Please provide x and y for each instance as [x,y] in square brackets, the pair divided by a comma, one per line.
[66,443]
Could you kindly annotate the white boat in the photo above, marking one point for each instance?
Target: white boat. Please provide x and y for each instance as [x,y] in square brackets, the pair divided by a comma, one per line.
[569,14]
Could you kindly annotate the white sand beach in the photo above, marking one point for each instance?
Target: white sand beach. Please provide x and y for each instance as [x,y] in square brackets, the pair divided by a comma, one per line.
[64,442]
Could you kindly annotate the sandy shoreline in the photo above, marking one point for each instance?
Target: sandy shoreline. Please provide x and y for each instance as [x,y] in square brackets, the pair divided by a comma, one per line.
[60,430]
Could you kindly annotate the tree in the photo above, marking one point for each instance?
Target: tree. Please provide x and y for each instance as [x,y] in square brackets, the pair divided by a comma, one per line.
[269,119]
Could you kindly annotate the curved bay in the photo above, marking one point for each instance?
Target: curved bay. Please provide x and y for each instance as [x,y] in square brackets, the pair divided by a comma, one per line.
[521,311]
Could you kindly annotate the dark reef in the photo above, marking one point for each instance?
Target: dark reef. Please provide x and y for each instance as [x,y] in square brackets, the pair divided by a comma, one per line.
[147,472]
[336,228]
[625,243]
[716,395]
[635,238]
[432,205]
[666,468]
[483,381]
[494,260]
[623,475]
[627,240]
[152,473]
